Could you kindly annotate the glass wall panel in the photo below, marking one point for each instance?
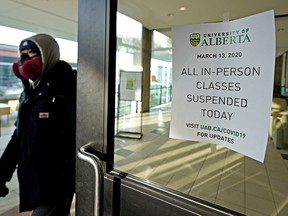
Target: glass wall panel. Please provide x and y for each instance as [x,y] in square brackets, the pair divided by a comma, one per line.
[161,70]
[128,59]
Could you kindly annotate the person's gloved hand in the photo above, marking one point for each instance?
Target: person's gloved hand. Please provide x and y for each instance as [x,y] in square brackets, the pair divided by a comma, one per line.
[3,190]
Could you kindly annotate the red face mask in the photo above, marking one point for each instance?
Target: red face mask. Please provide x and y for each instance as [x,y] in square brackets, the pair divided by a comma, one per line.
[27,67]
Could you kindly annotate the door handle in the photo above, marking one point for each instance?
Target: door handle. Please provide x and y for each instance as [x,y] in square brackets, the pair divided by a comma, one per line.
[99,175]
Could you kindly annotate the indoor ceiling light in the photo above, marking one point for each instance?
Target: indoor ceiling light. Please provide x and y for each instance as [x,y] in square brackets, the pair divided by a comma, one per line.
[182,8]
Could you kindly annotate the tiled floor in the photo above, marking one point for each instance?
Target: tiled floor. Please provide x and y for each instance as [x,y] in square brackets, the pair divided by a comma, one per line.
[219,176]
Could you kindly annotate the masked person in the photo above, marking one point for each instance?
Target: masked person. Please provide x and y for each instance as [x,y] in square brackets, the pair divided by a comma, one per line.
[42,147]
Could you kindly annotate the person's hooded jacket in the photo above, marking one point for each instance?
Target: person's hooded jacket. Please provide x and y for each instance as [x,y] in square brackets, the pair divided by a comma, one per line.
[42,147]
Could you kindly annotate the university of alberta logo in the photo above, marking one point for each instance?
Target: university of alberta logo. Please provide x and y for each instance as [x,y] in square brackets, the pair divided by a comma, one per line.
[194,39]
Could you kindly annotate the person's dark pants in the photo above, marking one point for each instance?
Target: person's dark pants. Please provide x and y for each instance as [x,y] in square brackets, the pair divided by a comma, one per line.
[59,209]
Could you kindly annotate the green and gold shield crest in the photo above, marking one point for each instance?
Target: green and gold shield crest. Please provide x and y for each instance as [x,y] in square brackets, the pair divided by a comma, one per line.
[194,39]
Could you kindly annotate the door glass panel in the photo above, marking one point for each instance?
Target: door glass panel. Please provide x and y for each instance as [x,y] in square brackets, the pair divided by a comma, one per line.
[210,172]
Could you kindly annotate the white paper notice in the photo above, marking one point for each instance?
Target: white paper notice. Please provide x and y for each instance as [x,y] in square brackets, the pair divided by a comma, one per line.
[130,86]
[223,82]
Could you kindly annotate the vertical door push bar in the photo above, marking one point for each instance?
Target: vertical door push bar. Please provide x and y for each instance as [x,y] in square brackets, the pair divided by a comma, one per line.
[99,174]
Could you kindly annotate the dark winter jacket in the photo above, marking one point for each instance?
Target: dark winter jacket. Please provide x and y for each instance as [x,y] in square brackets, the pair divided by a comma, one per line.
[42,147]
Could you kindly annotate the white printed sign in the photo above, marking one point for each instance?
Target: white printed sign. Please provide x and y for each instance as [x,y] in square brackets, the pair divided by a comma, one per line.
[130,85]
[223,82]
